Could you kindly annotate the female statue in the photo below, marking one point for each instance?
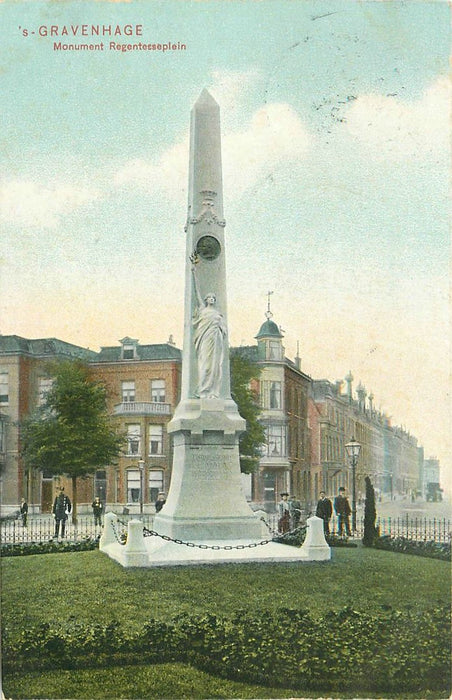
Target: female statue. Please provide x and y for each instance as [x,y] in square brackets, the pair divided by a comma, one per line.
[209,336]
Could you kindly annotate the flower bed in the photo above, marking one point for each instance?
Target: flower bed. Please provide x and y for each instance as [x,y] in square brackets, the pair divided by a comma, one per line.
[433,550]
[295,538]
[50,547]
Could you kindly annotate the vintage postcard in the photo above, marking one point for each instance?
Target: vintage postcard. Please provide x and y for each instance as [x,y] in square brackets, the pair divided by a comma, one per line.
[318,193]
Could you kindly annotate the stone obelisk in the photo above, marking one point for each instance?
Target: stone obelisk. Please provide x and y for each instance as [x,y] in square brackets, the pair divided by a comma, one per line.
[205,500]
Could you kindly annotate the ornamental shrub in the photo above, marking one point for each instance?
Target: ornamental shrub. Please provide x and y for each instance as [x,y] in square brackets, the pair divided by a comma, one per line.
[430,549]
[345,651]
[370,515]
[50,547]
[295,538]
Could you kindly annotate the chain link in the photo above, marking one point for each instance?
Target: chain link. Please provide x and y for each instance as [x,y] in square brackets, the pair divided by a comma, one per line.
[275,533]
[215,547]
[120,539]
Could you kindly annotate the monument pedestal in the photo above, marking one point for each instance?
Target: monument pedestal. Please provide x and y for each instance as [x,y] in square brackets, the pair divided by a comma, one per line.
[140,551]
[206,501]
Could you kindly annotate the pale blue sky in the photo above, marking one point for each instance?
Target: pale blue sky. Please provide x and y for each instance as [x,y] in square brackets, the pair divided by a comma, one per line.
[335,149]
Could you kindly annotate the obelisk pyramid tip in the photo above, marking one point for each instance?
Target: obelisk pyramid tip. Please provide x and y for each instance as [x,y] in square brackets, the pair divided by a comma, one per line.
[205,100]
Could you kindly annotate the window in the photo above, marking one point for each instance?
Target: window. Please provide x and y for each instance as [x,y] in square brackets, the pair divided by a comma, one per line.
[129,349]
[128,392]
[100,484]
[2,436]
[133,439]
[4,387]
[274,350]
[158,390]
[117,486]
[276,441]
[275,394]
[155,484]
[44,386]
[156,439]
[133,485]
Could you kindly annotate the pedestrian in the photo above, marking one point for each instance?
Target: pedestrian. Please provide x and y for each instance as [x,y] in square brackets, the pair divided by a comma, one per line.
[295,511]
[160,502]
[324,510]
[284,514]
[61,508]
[343,512]
[24,511]
[98,508]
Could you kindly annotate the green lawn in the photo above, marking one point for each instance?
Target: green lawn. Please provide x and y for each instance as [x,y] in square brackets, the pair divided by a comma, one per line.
[92,587]
[160,682]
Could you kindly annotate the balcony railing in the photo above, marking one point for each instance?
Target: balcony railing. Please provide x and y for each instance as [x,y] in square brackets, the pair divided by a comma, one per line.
[145,408]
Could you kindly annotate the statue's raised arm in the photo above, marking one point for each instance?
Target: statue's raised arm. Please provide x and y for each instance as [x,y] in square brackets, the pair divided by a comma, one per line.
[194,259]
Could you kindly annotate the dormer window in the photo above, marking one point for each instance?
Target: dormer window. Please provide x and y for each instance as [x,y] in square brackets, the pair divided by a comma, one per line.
[129,349]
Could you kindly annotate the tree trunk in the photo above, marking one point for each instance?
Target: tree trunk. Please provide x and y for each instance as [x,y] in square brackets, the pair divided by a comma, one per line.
[74,500]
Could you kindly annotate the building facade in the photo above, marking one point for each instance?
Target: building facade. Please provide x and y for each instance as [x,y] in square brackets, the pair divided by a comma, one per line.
[388,455]
[143,385]
[307,426]
[283,391]
[24,379]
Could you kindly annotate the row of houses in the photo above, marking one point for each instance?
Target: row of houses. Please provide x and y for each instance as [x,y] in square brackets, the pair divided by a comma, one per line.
[307,423]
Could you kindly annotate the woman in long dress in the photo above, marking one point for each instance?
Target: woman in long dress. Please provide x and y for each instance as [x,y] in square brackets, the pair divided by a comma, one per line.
[209,336]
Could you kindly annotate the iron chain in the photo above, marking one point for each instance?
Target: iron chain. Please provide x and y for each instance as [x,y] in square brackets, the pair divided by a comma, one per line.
[215,547]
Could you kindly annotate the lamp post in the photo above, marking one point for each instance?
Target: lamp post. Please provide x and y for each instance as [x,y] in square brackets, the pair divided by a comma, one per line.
[141,467]
[353,448]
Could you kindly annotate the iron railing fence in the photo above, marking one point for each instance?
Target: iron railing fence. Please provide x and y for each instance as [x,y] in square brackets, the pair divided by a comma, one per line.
[42,528]
[419,529]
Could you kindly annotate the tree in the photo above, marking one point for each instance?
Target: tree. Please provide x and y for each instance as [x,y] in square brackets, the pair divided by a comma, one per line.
[243,371]
[71,433]
[370,515]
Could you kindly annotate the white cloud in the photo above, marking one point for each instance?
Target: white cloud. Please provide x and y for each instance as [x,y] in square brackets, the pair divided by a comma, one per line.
[230,87]
[275,135]
[167,175]
[393,127]
[26,203]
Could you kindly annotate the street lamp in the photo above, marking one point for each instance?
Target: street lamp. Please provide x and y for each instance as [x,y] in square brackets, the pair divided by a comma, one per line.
[353,448]
[141,467]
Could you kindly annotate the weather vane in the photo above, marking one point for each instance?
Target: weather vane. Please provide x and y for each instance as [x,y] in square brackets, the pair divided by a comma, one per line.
[268,313]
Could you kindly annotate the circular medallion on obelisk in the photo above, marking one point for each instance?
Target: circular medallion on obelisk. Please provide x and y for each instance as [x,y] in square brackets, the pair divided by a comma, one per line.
[208,248]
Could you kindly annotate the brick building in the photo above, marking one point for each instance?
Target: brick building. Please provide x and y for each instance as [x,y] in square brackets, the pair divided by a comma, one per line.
[283,391]
[143,383]
[389,455]
[307,424]
[24,379]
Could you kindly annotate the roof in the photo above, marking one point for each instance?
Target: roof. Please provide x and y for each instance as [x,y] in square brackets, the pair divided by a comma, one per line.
[248,352]
[43,347]
[269,329]
[163,351]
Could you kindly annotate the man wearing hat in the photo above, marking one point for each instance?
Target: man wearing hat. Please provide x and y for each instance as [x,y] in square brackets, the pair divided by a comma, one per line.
[97,507]
[325,511]
[62,506]
[284,514]
[343,512]
[160,502]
